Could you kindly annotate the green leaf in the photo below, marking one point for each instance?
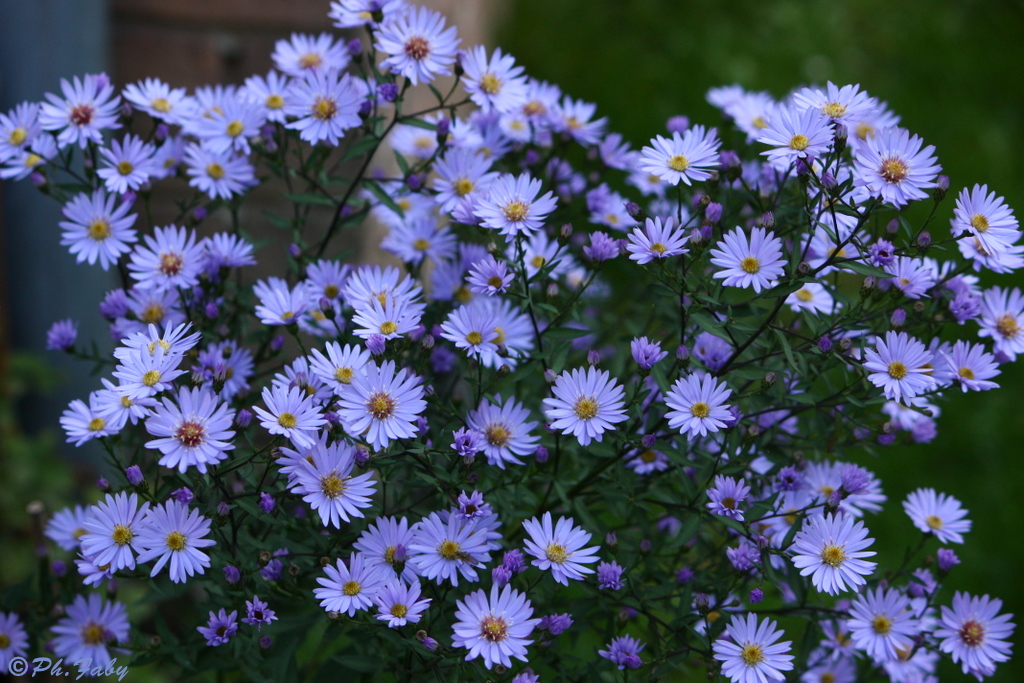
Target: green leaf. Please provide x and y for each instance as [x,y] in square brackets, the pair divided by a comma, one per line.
[420,123]
[786,349]
[360,148]
[384,198]
[565,333]
[783,291]
[862,268]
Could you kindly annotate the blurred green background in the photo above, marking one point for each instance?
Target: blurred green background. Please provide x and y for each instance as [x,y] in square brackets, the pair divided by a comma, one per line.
[951,69]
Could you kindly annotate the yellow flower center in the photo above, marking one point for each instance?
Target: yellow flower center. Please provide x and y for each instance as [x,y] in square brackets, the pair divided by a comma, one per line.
[274,102]
[417,48]
[235,128]
[1008,326]
[17,136]
[154,313]
[176,540]
[122,535]
[881,624]
[351,588]
[170,264]
[979,223]
[399,610]
[700,409]
[125,168]
[475,338]
[151,377]
[750,265]
[586,408]
[343,375]
[490,84]
[494,629]
[93,634]
[463,186]
[380,405]
[729,503]
[190,433]
[833,110]
[556,553]
[678,163]
[833,555]
[287,420]
[752,654]
[215,171]
[966,373]
[933,522]
[972,633]
[421,244]
[894,170]
[804,295]
[324,108]
[648,456]
[331,291]
[515,210]
[388,327]
[332,485]
[759,123]
[494,281]
[5,641]
[310,60]
[537,261]
[449,550]
[799,142]
[659,248]
[99,229]
[897,370]
[96,424]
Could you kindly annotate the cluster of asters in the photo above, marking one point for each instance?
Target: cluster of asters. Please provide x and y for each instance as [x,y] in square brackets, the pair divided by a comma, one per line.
[790,297]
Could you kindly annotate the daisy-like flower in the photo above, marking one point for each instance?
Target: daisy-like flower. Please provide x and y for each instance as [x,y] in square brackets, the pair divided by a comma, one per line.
[647,461]
[656,240]
[88,107]
[88,627]
[420,46]
[127,164]
[257,613]
[400,604]
[624,652]
[350,588]
[67,526]
[461,174]
[325,104]
[575,118]
[224,250]
[357,13]
[279,303]
[496,83]
[170,259]
[382,405]
[159,100]
[755,263]
[586,404]
[893,167]
[143,373]
[753,655]
[390,320]
[368,283]
[1002,319]
[968,365]
[559,548]
[420,238]
[112,531]
[512,205]
[937,514]
[974,634]
[228,128]
[881,624]
[646,353]
[495,627]
[84,422]
[194,432]
[795,135]
[386,544]
[324,480]
[689,157]
[911,276]
[97,228]
[726,496]
[171,534]
[900,365]
[220,627]
[219,174]
[505,430]
[303,54]
[697,405]
[18,128]
[444,550]
[340,364]
[272,93]
[986,217]
[291,413]
[813,297]
[13,639]
[830,549]
[471,328]
[489,276]
[847,104]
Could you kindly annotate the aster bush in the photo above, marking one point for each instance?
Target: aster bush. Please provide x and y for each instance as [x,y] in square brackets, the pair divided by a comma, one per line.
[603,409]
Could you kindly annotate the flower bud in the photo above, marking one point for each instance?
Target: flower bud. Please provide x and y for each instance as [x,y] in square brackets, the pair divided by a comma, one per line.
[444,126]
[684,575]
[500,576]
[648,440]
[924,239]
[898,318]
[362,457]
[414,182]
[893,226]
[541,455]
[730,164]
[947,559]
[266,642]
[565,234]
[376,343]
[768,381]
[277,343]
[102,484]
[824,344]
[549,376]
[223,509]
[134,474]
[593,358]
[767,220]
[199,213]
[756,596]
[941,188]
[59,568]
[712,213]
[611,539]
[634,211]
[231,573]
[702,602]
[266,502]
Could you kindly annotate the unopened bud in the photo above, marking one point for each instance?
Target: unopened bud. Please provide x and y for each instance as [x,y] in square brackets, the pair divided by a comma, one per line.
[648,440]
[840,137]
[767,220]
[768,381]
[549,376]
[593,358]
[898,318]
[924,239]
[893,226]
[611,539]
[712,213]
[941,188]
[634,211]
[134,475]
[541,455]
[565,233]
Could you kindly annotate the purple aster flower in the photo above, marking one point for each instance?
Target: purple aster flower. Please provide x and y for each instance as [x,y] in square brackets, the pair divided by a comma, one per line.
[647,461]
[420,46]
[555,624]
[62,335]
[281,304]
[512,205]
[399,604]
[472,329]
[712,351]
[257,614]
[726,496]
[813,298]
[656,240]
[272,572]
[13,639]
[913,277]
[892,166]
[753,654]
[303,55]
[88,627]
[112,531]
[559,548]
[514,561]
[601,248]
[789,478]
[490,277]
[350,588]
[495,627]
[472,506]
[830,549]
[324,479]
[325,105]
[462,174]
[881,624]
[444,550]
[973,634]
[968,365]
[220,627]
[494,83]
[1002,319]
[937,514]
[467,442]
[266,503]
[220,175]
[624,652]
[946,559]
[97,228]
[646,353]
[688,157]
[795,134]
[901,365]
[292,413]
[171,534]
[609,576]
[586,404]
[195,432]
[743,557]
[505,430]
[127,164]
[986,217]
[382,405]
[171,259]
[697,405]
[66,527]
[89,106]
[755,263]
[882,252]
[847,104]
[384,545]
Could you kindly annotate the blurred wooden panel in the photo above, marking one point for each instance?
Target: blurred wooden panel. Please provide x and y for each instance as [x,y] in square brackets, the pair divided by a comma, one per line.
[279,15]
